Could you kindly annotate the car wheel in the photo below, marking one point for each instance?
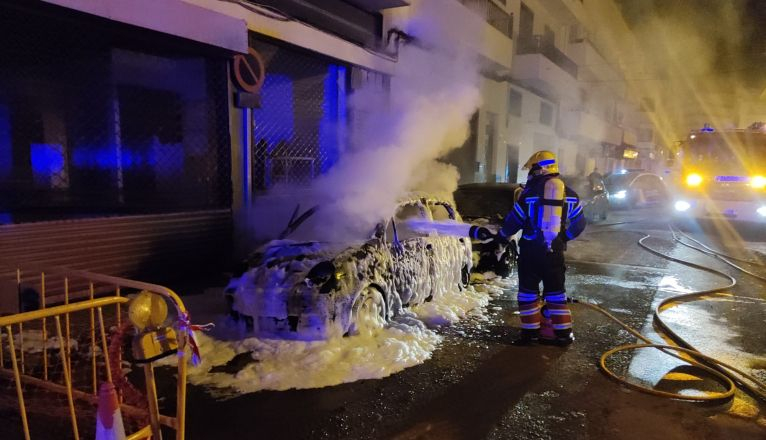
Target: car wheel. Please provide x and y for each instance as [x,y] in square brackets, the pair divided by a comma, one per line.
[368,314]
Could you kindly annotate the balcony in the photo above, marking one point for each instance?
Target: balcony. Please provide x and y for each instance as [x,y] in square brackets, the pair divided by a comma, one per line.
[546,69]
[537,45]
[593,66]
[493,14]
[566,11]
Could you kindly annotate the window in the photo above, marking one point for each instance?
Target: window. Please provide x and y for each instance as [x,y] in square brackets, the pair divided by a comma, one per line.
[120,126]
[404,213]
[440,212]
[514,103]
[645,135]
[546,114]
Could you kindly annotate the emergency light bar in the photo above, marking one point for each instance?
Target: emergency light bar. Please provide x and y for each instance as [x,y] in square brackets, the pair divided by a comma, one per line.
[731,179]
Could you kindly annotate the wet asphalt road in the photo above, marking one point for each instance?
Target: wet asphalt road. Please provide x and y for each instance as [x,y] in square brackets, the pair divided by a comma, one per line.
[478,385]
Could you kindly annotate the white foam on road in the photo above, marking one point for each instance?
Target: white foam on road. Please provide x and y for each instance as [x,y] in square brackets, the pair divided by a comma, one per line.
[281,365]
[452,307]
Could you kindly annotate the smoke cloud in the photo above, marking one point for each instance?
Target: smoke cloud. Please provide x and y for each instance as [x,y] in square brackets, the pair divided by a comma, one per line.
[690,61]
[397,137]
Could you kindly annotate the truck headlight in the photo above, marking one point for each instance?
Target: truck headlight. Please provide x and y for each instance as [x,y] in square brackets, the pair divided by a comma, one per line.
[693,179]
[758,182]
[682,206]
[761,211]
[620,194]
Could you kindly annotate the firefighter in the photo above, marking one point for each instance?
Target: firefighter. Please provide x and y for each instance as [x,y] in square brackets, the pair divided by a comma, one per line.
[549,214]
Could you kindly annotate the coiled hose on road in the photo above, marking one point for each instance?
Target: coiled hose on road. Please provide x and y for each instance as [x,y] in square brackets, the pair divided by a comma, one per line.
[729,375]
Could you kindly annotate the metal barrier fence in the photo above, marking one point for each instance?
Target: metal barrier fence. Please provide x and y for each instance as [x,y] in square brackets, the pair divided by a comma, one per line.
[52,359]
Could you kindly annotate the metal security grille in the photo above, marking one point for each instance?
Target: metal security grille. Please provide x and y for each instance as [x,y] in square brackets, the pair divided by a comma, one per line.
[99,118]
[299,131]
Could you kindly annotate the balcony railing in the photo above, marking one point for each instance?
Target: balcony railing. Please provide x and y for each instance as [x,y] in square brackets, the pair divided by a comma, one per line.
[536,44]
[493,14]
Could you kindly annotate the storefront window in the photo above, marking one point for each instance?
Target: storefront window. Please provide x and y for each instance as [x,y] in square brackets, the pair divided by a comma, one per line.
[96,120]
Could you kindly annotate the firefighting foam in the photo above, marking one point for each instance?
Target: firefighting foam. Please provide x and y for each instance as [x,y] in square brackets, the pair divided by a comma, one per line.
[377,352]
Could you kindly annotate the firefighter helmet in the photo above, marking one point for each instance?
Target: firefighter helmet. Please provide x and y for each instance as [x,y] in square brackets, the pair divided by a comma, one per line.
[545,160]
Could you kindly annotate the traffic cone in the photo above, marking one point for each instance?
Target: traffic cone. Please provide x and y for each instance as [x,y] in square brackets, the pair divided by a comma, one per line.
[108,418]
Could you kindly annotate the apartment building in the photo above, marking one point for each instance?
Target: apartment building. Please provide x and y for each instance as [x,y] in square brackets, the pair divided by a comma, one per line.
[563,92]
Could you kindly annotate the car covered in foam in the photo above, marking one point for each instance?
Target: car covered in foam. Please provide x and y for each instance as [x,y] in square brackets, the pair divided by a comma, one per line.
[313,290]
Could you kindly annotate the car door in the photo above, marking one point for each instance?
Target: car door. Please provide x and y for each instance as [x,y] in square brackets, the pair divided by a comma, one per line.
[450,256]
[411,264]
[640,191]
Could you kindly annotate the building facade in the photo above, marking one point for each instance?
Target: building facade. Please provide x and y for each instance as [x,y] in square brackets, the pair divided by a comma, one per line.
[138,110]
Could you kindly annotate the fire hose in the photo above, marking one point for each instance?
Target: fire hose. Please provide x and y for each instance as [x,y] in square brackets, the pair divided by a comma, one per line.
[726,374]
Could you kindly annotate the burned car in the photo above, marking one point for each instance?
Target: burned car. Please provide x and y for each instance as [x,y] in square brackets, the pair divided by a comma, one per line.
[488,204]
[312,290]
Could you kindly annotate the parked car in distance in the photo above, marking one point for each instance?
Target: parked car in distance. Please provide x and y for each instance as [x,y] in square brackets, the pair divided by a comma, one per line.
[316,290]
[488,204]
[635,188]
[594,197]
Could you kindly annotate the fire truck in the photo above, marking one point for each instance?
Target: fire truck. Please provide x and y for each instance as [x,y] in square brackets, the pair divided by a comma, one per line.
[723,174]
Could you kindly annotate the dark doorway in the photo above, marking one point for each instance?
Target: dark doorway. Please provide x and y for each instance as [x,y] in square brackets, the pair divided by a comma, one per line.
[512,165]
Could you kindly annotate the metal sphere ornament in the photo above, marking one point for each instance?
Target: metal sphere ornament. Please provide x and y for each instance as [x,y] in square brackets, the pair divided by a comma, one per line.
[147,310]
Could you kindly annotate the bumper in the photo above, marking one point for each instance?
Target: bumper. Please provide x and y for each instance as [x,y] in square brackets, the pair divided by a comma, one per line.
[744,211]
[280,313]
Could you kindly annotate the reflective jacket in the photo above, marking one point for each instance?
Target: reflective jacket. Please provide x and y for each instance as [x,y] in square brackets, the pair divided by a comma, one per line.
[527,213]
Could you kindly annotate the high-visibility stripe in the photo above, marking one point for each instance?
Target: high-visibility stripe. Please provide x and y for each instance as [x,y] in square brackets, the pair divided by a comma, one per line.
[559,297]
[559,312]
[519,211]
[528,305]
[559,326]
[529,312]
[576,212]
[526,297]
[530,326]
[571,199]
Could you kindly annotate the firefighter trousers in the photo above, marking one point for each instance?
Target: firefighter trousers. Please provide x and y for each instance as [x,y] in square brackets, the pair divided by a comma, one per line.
[537,264]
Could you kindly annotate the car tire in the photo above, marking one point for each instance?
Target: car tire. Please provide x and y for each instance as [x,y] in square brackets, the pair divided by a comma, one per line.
[368,314]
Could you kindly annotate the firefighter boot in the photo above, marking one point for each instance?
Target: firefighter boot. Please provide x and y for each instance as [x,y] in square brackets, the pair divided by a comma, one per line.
[527,337]
[563,338]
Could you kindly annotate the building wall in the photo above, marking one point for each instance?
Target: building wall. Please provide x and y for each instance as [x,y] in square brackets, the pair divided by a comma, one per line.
[528,133]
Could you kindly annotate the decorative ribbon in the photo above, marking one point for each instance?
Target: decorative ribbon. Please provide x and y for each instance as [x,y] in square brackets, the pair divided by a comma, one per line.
[185,325]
